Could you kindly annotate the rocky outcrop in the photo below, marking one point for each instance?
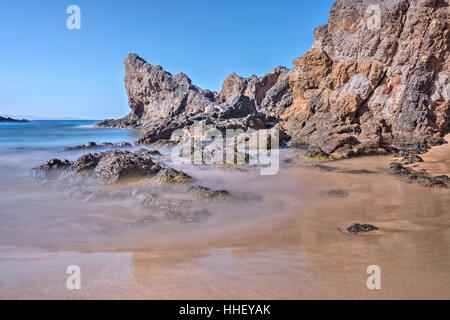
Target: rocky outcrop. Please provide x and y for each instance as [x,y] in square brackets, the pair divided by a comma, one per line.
[110,167]
[162,103]
[376,77]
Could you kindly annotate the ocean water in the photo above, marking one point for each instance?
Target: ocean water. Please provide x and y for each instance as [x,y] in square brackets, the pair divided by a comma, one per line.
[54,134]
[24,146]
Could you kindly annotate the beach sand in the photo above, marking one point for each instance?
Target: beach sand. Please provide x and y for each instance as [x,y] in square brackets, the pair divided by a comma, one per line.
[287,244]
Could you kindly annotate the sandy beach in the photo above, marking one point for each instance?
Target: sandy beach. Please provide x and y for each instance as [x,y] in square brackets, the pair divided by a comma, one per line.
[287,242]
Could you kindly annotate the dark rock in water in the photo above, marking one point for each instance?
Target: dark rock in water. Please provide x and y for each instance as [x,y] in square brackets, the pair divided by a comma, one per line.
[338,193]
[398,169]
[55,164]
[190,216]
[414,158]
[355,149]
[195,216]
[169,175]
[148,153]
[106,145]
[142,222]
[207,193]
[361,228]
[113,166]
[91,145]
[123,144]
[2,119]
[315,152]
[86,162]
[118,165]
[50,167]
[422,177]
[325,168]
[155,202]
[84,146]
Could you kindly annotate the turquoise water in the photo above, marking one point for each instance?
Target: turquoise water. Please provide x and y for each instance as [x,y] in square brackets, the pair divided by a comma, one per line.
[54,134]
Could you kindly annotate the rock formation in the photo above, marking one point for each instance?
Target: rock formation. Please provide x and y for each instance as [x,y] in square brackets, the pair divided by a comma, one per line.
[161,103]
[110,167]
[375,79]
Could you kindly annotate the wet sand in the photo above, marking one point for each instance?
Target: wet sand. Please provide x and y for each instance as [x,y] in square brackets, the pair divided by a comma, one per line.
[284,242]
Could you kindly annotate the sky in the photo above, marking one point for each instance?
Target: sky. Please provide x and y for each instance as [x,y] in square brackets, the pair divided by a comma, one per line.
[50,71]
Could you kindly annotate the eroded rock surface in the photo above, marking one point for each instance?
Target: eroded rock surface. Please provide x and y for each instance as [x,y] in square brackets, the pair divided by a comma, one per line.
[377,86]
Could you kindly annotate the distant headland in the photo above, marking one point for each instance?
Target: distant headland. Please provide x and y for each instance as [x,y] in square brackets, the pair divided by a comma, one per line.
[2,119]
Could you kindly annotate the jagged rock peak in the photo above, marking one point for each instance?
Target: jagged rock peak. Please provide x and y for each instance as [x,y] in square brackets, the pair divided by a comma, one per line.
[156,95]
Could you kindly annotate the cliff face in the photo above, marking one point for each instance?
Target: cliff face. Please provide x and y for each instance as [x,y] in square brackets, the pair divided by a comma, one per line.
[376,77]
[374,81]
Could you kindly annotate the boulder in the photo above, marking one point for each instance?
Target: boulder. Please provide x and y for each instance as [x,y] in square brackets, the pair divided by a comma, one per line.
[116,166]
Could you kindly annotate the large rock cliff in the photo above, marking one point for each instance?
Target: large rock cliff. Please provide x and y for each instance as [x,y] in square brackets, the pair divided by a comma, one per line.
[376,78]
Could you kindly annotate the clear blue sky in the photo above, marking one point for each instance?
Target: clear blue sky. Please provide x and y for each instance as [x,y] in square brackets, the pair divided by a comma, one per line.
[47,70]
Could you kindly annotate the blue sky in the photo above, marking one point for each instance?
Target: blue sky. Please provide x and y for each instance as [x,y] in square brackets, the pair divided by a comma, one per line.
[48,70]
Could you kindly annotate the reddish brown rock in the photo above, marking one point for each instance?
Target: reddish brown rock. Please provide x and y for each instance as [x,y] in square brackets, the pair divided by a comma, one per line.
[379,86]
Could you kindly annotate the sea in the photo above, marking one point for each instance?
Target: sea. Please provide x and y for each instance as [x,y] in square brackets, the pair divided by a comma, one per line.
[26,145]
